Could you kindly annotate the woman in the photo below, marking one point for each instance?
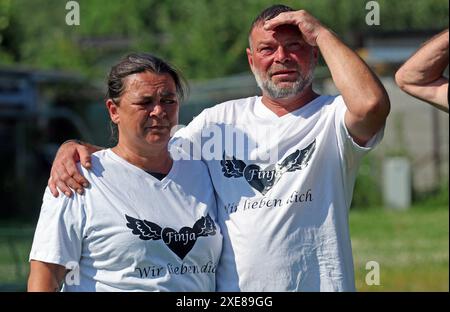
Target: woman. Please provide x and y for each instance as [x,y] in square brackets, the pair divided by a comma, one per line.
[147,222]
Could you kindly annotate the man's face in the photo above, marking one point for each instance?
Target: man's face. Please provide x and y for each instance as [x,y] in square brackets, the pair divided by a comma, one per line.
[282,62]
[148,109]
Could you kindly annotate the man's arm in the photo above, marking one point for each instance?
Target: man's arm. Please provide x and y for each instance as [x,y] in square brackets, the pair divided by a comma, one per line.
[422,74]
[365,97]
[45,276]
[64,173]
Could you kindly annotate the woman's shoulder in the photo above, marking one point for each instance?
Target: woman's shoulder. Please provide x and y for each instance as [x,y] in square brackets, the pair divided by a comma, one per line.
[100,161]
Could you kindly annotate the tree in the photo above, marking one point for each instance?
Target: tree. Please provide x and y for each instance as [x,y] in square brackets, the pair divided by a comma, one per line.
[204,38]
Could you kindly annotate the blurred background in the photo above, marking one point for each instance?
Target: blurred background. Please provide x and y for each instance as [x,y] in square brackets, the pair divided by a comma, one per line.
[52,86]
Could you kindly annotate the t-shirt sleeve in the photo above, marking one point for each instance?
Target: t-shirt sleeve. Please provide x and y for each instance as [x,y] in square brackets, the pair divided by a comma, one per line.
[60,229]
[351,151]
[189,139]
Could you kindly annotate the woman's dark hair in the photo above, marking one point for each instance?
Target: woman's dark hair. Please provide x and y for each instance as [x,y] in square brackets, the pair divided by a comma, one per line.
[137,63]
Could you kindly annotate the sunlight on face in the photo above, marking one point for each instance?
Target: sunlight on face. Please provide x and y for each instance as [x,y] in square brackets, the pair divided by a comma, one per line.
[281,61]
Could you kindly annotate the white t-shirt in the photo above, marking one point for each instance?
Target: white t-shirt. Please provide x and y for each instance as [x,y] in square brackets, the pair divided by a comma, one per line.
[132,232]
[283,195]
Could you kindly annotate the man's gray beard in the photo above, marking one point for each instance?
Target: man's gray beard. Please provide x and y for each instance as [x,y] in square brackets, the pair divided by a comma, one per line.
[275,92]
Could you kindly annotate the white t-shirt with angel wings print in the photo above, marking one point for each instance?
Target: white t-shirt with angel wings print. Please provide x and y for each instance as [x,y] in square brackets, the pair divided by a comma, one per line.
[284,187]
[133,232]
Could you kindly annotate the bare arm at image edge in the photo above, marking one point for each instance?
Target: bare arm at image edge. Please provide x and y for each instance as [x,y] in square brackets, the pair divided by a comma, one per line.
[422,74]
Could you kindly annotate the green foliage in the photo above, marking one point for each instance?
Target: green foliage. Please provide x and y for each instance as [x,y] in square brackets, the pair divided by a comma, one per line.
[367,193]
[400,149]
[5,15]
[6,56]
[204,38]
[435,198]
[414,15]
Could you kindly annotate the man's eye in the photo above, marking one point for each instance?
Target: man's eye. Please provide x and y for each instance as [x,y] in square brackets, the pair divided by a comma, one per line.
[168,101]
[266,49]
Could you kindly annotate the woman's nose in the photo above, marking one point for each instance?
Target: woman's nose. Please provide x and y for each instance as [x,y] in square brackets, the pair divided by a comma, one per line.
[158,110]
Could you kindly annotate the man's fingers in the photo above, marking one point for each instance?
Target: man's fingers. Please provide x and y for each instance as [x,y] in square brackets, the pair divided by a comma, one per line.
[281,19]
[308,25]
[73,174]
[64,188]
[64,173]
[67,180]
[85,156]
[74,185]
[52,187]
[80,180]
[274,23]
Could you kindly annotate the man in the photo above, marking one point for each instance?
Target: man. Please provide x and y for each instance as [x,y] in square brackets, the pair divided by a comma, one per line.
[422,74]
[284,220]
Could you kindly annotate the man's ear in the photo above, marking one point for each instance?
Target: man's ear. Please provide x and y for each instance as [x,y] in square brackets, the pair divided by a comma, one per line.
[113,111]
[250,57]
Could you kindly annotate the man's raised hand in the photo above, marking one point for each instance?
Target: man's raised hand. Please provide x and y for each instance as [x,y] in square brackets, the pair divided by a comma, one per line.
[309,26]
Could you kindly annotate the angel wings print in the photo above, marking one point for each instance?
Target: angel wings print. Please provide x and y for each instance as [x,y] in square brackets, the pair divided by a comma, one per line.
[180,242]
[263,180]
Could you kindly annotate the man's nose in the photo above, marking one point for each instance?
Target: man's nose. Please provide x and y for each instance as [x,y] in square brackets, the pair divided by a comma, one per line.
[281,55]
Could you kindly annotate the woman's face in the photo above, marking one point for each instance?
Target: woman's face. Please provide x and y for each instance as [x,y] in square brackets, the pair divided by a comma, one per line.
[147,111]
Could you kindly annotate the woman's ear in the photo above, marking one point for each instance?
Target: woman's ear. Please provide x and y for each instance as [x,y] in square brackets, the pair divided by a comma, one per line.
[113,111]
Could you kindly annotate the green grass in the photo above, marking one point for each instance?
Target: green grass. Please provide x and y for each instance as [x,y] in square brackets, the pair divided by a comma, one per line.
[411,247]
[15,245]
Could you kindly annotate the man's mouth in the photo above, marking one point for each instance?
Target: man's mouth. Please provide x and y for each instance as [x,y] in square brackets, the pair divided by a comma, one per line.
[286,73]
